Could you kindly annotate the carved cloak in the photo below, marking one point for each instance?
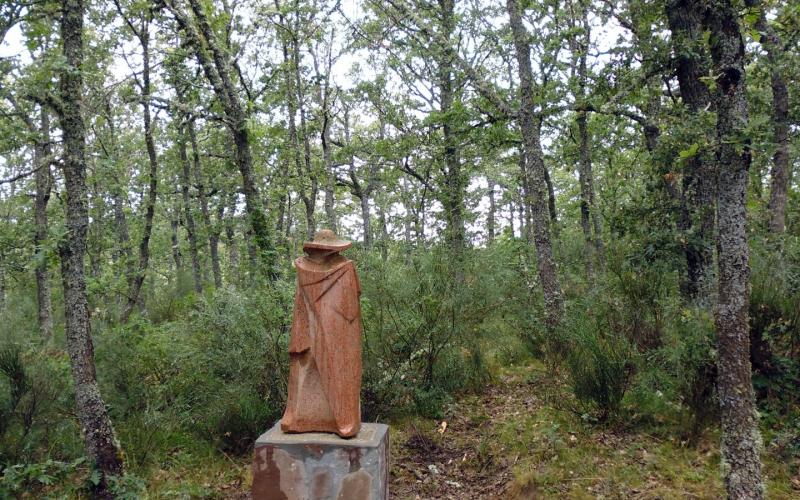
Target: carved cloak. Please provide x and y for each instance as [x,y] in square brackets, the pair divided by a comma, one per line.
[325,352]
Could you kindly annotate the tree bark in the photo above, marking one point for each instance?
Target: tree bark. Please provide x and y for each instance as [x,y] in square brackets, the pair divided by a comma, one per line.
[455,183]
[741,440]
[326,102]
[191,229]
[98,433]
[696,219]
[307,179]
[548,274]
[94,243]
[150,206]
[781,171]
[123,251]
[384,242]
[230,238]
[406,198]
[490,217]
[366,222]
[216,66]
[551,194]
[213,241]
[43,181]
[590,220]
[212,230]
[2,283]
[174,224]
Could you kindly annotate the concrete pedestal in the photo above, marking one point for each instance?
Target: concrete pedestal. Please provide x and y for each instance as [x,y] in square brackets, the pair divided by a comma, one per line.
[319,466]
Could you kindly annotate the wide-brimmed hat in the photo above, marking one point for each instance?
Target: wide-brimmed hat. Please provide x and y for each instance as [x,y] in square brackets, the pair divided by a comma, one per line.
[326,239]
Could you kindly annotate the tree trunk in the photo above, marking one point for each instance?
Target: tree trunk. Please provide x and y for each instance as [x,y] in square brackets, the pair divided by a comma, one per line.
[301,155]
[590,220]
[123,251]
[511,211]
[781,171]
[150,205]
[213,242]
[696,220]
[741,440]
[408,209]
[548,274]
[453,192]
[365,218]
[584,165]
[212,231]
[420,221]
[191,230]
[490,217]
[174,224]
[2,283]
[230,238]
[384,243]
[216,65]
[43,181]
[310,199]
[324,98]
[551,194]
[98,433]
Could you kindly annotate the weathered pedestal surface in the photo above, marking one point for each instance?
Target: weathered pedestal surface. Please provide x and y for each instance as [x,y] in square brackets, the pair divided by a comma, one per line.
[319,466]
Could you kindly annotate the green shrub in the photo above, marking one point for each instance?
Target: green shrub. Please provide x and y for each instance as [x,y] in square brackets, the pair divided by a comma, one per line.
[217,375]
[600,363]
[420,334]
[35,393]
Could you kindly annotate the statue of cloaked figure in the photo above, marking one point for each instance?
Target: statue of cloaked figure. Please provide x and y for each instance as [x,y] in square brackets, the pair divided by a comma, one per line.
[325,345]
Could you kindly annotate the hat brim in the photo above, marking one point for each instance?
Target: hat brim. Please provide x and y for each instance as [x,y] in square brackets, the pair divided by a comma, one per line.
[338,245]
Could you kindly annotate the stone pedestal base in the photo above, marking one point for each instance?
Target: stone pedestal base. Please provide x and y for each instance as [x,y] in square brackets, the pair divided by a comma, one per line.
[317,466]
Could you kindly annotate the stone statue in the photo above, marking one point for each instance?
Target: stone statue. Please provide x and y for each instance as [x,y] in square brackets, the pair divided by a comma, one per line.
[325,344]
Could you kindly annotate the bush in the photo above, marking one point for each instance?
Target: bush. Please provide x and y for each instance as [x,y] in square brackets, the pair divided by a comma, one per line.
[600,363]
[219,374]
[420,338]
[775,320]
[35,392]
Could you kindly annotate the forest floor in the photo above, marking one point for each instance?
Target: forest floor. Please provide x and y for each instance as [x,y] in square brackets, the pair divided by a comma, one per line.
[512,441]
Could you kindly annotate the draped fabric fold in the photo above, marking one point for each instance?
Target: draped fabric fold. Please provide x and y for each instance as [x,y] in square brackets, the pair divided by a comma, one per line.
[325,351]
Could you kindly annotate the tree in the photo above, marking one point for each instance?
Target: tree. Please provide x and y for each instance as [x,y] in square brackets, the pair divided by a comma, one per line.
[98,433]
[535,172]
[590,219]
[142,33]
[696,219]
[217,66]
[741,440]
[781,170]
[43,179]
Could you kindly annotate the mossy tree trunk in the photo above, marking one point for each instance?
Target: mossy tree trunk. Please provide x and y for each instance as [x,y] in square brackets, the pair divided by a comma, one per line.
[98,433]
[741,440]
[535,172]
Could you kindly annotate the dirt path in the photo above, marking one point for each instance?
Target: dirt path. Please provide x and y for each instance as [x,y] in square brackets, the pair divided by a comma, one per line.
[458,457]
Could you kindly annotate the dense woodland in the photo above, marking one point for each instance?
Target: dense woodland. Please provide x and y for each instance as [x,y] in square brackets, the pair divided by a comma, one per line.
[575,222]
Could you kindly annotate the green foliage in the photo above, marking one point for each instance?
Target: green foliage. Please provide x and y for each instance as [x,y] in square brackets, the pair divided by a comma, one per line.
[34,393]
[17,479]
[599,361]
[57,479]
[218,375]
[775,320]
[421,334]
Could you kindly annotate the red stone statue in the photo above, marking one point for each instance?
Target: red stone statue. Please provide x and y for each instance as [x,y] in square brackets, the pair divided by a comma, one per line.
[325,344]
